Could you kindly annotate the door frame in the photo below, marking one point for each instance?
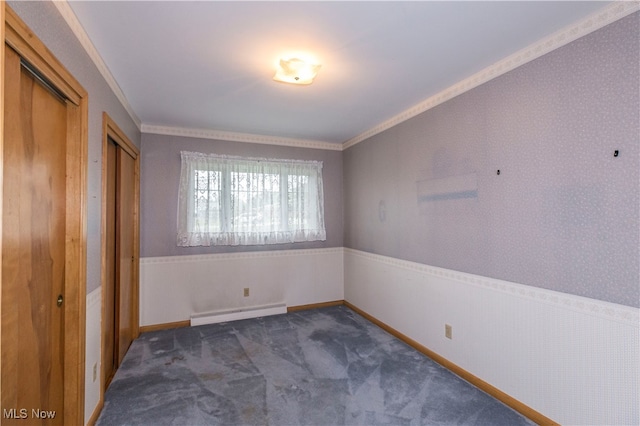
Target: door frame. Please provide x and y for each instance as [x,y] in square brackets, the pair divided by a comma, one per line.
[20,38]
[110,130]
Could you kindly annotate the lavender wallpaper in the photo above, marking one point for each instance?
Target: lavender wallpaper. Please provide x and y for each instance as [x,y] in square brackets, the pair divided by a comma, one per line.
[160,175]
[563,212]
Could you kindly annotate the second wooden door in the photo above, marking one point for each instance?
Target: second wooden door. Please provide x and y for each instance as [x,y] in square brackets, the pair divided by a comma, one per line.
[120,327]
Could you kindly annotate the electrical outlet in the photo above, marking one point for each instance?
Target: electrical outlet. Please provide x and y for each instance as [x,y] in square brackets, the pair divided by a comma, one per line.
[448,331]
[246,292]
[95,371]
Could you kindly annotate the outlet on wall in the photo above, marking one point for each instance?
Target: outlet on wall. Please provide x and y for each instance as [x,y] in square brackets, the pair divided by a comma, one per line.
[95,371]
[448,331]
[246,292]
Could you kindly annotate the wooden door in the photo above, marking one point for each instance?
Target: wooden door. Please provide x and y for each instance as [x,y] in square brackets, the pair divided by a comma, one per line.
[120,247]
[43,163]
[33,248]
[126,213]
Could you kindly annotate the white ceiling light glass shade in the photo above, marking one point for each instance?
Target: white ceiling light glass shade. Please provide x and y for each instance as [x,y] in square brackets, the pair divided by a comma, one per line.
[296,71]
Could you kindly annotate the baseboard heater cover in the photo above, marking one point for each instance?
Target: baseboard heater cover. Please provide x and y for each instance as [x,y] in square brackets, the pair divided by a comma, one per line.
[226,315]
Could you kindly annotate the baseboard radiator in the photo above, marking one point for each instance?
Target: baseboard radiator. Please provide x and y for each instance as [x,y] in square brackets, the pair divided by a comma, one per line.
[225,315]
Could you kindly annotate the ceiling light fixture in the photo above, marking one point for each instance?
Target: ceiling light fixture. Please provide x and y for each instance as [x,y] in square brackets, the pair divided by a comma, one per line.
[296,71]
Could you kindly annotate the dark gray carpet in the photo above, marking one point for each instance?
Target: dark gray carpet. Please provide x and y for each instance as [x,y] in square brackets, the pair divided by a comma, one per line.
[319,367]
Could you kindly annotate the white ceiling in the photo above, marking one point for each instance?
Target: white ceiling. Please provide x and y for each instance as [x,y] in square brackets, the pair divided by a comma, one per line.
[209,64]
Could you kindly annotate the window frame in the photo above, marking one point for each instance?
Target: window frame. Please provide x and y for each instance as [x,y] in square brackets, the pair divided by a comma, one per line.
[229,232]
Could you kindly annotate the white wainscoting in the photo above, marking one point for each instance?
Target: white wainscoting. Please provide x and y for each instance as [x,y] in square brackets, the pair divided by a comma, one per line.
[573,359]
[92,355]
[174,287]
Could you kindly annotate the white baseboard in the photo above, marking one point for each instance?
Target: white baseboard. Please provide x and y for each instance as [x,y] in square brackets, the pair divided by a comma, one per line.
[226,315]
[570,358]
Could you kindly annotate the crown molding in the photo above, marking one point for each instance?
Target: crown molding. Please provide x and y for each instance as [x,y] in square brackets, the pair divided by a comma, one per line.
[76,27]
[239,137]
[611,13]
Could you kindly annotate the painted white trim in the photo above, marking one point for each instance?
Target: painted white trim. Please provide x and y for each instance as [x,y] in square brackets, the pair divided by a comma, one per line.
[239,137]
[240,255]
[605,310]
[613,12]
[76,27]
[225,315]
[94,297]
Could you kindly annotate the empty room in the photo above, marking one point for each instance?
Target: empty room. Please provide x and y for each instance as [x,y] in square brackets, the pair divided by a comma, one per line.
[320,213]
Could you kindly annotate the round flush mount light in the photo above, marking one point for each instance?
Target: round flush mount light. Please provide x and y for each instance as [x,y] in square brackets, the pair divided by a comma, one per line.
[296,71]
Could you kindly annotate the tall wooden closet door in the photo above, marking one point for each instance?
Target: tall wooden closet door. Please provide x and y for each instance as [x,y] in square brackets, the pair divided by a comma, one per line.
[125,250]
[33,248]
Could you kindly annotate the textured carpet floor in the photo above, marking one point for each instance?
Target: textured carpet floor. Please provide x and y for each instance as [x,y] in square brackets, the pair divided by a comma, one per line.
[319,367]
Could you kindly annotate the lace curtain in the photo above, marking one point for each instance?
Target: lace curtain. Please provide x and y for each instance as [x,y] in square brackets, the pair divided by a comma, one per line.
[226,200]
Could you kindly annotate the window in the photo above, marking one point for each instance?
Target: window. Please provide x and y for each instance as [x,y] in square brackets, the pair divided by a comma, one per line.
[225,200]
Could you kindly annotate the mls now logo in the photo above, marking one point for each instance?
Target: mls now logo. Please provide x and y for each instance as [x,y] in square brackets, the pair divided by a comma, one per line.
[23,413]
